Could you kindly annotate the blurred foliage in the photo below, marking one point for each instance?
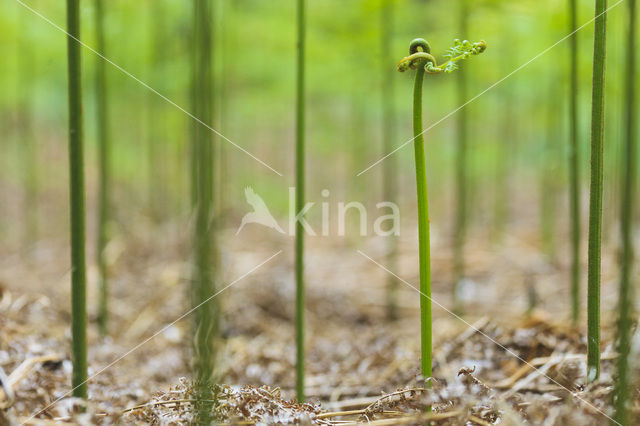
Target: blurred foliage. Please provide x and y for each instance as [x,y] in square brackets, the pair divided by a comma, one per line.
[254,61]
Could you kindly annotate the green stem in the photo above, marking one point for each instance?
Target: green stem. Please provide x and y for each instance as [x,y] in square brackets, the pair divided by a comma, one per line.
[595,193]
[389,170]
[548,184]
[626,295]
[206,324]
[461,175]
[504,161]
[26,136]
[574,172]
[423,226]
[156,132]
[223,20]
[76,204]
[300,197]
[103,166]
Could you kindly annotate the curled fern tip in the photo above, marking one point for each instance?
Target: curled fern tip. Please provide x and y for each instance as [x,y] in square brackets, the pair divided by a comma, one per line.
[420,55]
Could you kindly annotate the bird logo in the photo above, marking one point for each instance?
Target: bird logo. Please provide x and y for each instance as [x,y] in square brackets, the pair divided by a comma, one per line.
[260,214]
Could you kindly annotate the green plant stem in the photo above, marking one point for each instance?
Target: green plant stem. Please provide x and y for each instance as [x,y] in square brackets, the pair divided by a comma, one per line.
[26,135]
[626,294]
[504,159]
[423,227]
[206,324]
[461,174]
[595,193]
[224,21]
[300,197]
[389,169]
[76,204]
[104,153]
[156,140]
[507,144]
[574,171]
[548,186]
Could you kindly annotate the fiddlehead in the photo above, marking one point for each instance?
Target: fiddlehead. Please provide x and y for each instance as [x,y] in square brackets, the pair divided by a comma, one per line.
[419,45]
[420,55]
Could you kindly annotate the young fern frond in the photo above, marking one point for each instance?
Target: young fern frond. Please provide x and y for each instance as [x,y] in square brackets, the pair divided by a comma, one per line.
[461,50]
[422,61]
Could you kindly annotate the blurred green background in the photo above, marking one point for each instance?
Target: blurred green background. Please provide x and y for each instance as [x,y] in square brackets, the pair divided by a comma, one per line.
[518,128]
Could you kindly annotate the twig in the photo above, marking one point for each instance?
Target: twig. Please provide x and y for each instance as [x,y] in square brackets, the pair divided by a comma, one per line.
[410,419]
[537,362]
[7,390]
[23,369]
[352,413]
[353,403]
[153,404]
[479,421]
[18,374]
[398,392]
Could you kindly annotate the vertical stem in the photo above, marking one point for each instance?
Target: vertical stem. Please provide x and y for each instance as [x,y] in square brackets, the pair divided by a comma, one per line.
[574,172]
[76,204]
[626,295]
[194,98]
[389,170]
[461,175]
[300,198]
[205,327]
[547,179]
[504,158]
[26,136]
[156,127]
[103,166]
[423,226]
[595,193]
[223,22]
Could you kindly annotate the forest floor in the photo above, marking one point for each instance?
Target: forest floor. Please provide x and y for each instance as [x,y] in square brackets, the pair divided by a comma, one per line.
[360,367]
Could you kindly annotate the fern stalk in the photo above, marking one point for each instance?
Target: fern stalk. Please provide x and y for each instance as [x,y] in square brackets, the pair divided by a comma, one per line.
[626,296]
[389,170]
[423,228]
[156,143]
[574,171]
[422,61]
[461,173]
[300,197]
[595,193]
[104,155]
[76,204]
[26,134]
[548,186]
[206,324]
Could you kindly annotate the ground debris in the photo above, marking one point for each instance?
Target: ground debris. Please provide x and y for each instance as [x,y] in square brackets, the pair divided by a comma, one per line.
[234,405]
[502,368]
